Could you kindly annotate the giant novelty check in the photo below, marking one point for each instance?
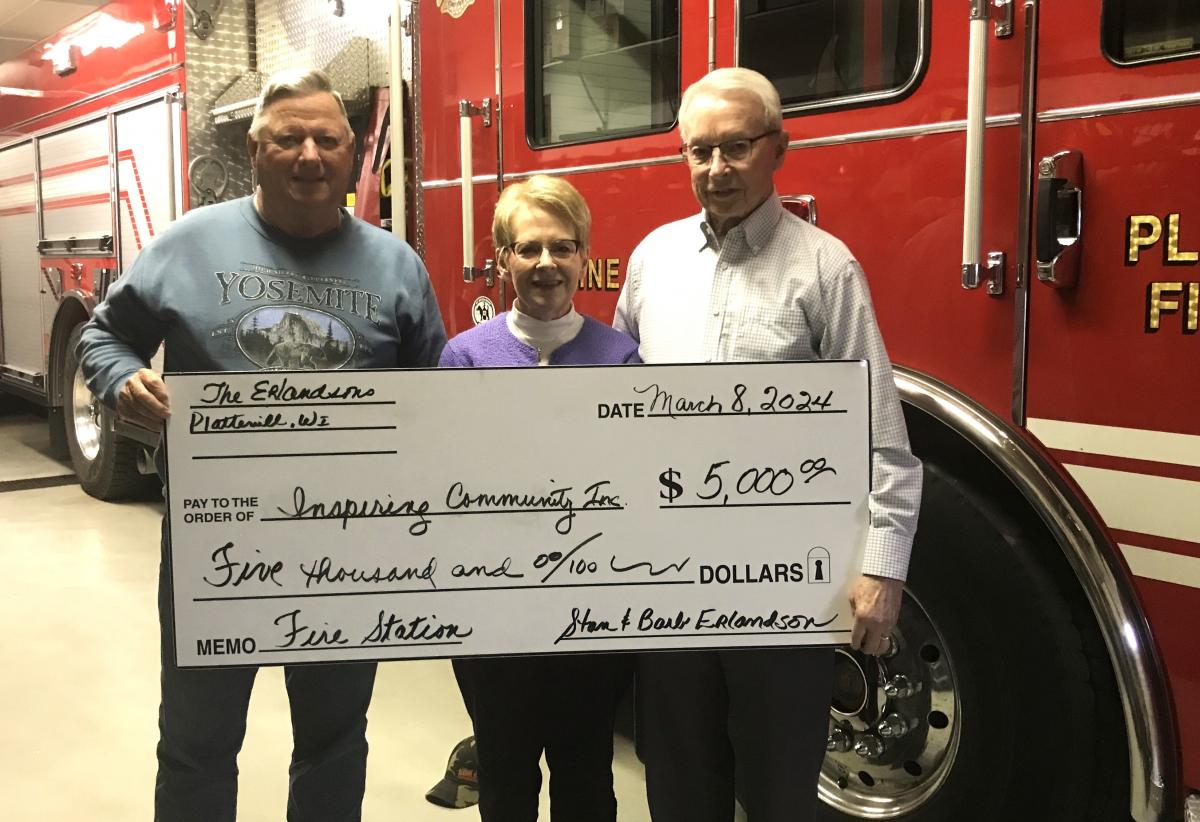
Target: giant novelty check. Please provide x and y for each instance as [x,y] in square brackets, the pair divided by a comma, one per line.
[370,515]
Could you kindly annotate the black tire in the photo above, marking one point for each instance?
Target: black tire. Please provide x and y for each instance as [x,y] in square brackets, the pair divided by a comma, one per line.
[1040,737]
[106,464]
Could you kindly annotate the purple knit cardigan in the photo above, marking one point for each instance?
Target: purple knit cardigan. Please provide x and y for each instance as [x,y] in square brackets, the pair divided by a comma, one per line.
[492,345]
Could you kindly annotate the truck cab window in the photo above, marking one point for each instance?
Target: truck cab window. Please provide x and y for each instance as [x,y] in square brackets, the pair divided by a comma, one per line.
[599,69]
[833,51]
[1143,30]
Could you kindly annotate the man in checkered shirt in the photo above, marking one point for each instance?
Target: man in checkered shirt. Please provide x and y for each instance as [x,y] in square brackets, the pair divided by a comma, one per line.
[746,280]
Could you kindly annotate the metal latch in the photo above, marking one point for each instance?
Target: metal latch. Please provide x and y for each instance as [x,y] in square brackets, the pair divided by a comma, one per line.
[973,275]
[468,109]
[488,272]
[1004,18]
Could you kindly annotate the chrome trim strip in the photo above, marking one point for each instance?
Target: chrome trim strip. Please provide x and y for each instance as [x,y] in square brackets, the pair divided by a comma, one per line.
[897,132]
[947,127]
[1020,352]
[1054,115]
[107,93]
[171,104]
[617,166]
[498,109]
[712,31]
[900,132]
[417,129]
[1155,790]
[429,185]
[499,115]
[37,189]
[114,189]
[395,123]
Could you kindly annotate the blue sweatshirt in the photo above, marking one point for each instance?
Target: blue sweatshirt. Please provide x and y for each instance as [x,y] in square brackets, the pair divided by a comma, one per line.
[228,292]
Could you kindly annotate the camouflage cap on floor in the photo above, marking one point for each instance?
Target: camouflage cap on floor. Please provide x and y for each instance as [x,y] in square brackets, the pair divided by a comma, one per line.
[460,787]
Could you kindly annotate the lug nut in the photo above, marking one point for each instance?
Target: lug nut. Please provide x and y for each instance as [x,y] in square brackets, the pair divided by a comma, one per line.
[839,741]
[868,746]
[893,726]
[899,687]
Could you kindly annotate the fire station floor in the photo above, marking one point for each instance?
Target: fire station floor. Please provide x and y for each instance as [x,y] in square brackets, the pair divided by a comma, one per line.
[80,688]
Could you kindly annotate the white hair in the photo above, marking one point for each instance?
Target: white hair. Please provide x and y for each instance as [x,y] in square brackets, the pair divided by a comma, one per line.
[725,80]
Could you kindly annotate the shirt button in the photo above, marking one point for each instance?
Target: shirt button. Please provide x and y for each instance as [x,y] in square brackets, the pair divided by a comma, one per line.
[716,313]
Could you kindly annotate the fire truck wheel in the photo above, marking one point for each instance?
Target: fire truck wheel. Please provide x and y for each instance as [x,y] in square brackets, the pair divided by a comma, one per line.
[105,462]
[996,702]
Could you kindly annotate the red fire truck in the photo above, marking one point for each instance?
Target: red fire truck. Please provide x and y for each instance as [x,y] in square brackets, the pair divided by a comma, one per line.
[1013,177]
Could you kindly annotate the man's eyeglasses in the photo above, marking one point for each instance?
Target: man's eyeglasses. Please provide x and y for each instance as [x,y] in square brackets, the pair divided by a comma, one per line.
[532,249]
[325,142]
[733,151]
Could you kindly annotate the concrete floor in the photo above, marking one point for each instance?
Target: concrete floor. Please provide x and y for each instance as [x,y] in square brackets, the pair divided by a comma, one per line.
[80,691]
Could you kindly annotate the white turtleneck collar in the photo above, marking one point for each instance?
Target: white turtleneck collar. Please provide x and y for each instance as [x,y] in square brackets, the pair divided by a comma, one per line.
[544,336]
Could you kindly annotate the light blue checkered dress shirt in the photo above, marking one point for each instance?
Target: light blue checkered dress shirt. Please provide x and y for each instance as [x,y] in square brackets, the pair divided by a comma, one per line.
[777,288]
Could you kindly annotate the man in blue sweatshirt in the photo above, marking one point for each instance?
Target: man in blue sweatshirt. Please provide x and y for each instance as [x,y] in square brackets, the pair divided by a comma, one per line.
[284,279]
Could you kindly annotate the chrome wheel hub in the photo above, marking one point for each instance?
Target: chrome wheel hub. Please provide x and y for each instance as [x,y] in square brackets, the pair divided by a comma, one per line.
[894,723]
[85,417]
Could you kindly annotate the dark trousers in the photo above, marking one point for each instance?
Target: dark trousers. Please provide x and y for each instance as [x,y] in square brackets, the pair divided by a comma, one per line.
[706,716]
[202,721]
[564,706]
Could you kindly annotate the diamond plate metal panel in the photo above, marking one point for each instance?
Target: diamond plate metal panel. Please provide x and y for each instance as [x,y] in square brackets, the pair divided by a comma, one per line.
[213,64]
[250,41]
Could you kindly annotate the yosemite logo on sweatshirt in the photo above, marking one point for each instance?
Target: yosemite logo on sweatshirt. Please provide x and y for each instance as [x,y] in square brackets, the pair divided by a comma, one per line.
[281,286]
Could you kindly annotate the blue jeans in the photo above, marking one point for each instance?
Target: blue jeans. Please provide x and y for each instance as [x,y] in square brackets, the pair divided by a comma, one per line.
[202,722]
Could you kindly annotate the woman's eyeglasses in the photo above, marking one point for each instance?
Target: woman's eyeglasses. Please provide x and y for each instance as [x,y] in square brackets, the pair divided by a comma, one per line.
[531,250]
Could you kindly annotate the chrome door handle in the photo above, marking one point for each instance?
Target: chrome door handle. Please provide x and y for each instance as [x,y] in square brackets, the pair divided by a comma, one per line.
[1059,218]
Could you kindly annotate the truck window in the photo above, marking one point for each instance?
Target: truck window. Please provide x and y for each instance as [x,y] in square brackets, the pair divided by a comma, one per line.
[1137,31]
[598,69]
[833,52]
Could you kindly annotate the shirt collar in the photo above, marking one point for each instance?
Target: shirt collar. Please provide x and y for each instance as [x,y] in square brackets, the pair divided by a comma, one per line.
[757,228]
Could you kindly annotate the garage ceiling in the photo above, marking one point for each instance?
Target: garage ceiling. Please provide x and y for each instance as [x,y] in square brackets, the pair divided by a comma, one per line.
[25,22]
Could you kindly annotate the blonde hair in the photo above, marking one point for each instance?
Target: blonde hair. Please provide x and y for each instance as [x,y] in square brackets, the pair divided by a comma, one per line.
[551,194]
[294,83]
[724,80]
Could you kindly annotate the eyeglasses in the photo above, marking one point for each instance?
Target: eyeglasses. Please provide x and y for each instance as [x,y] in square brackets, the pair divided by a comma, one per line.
[734,151]
[288,142]
[531,250]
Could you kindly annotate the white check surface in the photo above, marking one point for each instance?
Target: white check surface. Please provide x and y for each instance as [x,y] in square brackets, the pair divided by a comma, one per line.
[353,515]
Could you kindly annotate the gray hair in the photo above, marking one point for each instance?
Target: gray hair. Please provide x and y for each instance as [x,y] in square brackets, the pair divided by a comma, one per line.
[724,80]
[294,83]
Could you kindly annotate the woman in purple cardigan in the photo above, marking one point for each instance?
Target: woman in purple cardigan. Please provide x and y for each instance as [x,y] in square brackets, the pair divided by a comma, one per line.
[562,705]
